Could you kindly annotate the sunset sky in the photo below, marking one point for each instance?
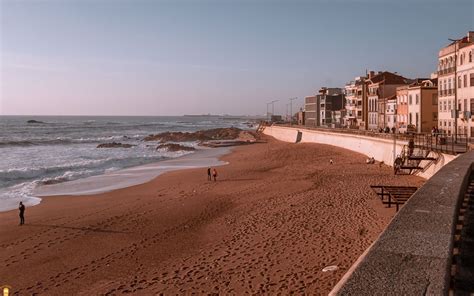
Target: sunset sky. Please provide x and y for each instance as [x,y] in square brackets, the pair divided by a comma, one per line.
[192,57]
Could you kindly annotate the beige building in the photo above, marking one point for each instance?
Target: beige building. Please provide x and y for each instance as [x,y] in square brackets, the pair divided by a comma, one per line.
[311,108]
[402,108]
[456,87]
[423,105]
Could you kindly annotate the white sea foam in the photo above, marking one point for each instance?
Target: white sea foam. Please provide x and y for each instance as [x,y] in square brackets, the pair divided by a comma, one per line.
[133,176]
[63,149]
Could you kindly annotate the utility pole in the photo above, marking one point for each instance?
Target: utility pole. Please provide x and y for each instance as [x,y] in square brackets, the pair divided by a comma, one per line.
[455,88]
[291,110]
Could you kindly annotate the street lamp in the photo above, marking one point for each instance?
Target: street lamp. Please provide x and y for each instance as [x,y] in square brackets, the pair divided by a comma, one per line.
[455,87]
[273,107]
[291,110]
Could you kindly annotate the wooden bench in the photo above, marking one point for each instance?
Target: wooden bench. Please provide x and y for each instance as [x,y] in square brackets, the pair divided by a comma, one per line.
[396,195]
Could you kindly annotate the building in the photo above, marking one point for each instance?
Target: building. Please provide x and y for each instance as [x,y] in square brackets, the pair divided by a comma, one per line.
[456,87]
[465,87]
[391,112]
[356,103]
[311,108]
[381,86]
[337,120]
[423,105]
[402,108]
[330,100]
[300,117]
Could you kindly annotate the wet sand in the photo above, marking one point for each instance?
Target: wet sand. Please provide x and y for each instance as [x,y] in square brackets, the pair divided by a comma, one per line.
[278,214]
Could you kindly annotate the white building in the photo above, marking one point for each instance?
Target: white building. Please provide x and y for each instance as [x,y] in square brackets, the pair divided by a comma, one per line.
[456,86]
[391,112]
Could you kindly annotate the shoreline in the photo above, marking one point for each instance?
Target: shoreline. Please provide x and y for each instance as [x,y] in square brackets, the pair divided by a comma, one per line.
[277,215]
[127,177]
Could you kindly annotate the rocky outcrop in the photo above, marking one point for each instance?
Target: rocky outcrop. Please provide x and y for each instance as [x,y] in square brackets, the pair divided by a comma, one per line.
[172,147]
[34,121]
[115,145]
[205,135]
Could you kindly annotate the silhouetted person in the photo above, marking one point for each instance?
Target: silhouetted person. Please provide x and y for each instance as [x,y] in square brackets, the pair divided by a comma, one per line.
[209,174]
[22,213]
[214,174]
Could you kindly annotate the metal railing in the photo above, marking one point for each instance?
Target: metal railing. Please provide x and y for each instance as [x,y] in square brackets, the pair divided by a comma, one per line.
[439,142]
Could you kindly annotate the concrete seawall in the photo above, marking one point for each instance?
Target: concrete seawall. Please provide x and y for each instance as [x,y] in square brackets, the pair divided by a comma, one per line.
[413,255]
[380,149]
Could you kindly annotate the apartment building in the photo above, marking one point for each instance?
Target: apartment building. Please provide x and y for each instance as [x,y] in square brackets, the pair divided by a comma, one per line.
[356,103]
[465,87]
[391,112]
[330,100]
[456,86]
[423,105]
[402,108]
[381,86]
[311,108]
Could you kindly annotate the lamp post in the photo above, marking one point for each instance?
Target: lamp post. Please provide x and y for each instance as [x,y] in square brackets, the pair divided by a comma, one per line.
[291,110]
[273,107]
[456,47]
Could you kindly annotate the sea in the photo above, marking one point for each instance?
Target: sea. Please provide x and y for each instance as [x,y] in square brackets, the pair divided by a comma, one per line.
[37,151]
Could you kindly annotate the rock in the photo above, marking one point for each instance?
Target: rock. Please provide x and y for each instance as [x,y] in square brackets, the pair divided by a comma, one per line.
[34,121]
[172,147]
[205,135]
[115,145]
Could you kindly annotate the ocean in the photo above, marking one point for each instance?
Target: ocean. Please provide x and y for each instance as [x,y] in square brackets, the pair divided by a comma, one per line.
[60,149]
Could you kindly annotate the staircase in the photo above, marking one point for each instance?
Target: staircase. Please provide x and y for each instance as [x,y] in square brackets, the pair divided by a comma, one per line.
[414,159]
[261,127]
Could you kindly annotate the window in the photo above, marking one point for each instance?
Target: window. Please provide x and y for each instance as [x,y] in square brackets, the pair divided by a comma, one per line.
[470,57]
[472,107]
[449,105]
[459,81]
[435,116]
[471,77]
[434,99]
[416,116]
[409,100]
[449,84]
[465,104]
[410,119]
[465,80]
[417,100]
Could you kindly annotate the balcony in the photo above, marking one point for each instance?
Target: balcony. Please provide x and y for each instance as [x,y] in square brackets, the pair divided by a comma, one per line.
[446,71]
[446,92]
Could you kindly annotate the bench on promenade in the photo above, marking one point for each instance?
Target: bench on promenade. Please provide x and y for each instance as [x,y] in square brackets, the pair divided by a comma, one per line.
[396,195]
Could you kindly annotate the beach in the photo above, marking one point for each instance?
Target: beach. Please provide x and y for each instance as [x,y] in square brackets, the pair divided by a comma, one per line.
[277,215]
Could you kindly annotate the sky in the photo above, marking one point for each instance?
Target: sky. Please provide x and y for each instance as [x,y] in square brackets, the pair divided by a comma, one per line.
[137,57]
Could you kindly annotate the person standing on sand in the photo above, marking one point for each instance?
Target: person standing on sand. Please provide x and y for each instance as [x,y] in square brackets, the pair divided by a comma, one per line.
[214,174]
[22,213]
[209,174]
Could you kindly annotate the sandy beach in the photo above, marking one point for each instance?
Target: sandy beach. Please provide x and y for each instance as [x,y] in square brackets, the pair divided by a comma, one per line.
[278,214]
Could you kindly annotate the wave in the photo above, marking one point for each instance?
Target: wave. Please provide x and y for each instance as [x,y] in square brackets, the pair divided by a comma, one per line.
[85,168]
[63,141]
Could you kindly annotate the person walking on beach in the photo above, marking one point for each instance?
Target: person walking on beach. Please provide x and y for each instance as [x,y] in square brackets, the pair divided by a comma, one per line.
[214,174]
[22,213]
[209,174]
